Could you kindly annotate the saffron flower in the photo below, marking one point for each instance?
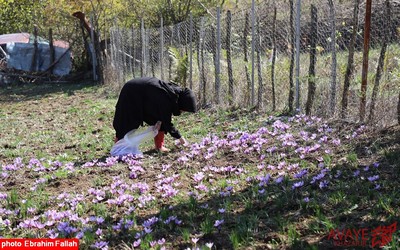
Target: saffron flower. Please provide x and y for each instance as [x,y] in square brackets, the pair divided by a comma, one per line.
[198,176]
[218,223]
[373,178]
[323,184]
[279,179]
[297,184]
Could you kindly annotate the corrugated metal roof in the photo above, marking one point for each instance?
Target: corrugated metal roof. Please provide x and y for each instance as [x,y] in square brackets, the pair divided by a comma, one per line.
[28,38]
[15,37]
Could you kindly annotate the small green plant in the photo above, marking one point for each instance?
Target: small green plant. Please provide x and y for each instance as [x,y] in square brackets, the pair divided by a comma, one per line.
[352,158]
[13,199]
[235,239]
[385,203]
[99,181]
[337,197]
[293,235]
[327,160]
[247,201]
[207,226]
[61,173]
[185,232]
[100,209]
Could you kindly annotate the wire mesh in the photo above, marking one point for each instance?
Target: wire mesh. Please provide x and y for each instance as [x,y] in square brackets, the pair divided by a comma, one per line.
[186,53]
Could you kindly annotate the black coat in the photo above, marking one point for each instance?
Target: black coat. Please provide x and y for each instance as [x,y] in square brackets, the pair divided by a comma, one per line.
[147,100]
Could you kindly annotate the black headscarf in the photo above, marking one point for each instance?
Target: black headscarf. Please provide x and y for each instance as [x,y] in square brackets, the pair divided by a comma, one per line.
[187,100]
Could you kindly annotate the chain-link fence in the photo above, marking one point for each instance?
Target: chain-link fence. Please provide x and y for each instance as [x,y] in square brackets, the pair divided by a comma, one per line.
[274,59]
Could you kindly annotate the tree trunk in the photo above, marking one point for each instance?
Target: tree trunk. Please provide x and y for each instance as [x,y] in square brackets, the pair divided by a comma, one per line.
[398,110]
[246,60]
[273,60]
[291,41]
[313,59]
[260,83]
[228,55]
[332,101]
[364,77]
[350,61]
[380,62]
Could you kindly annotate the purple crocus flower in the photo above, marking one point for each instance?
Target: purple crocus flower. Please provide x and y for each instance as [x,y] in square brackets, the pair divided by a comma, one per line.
[3,196]
[101,245]
[66,229]
[136,243]
[279,179]
[301,174]
[373,178]
[323,184]
[150,222]
[318,177]
[298,184]
[218,223]
[198,176]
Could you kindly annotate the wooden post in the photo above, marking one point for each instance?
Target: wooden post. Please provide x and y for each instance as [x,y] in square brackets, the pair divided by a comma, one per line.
[253,23]
[297,92]
[162,47]
[350,61]
[364,76]
[169,57]
[132,45]
[291,67]
[143,57]
[217,57]
[273,60]
[313,59]
[381,61]
[191,52]
[246,60]
[398,110]
[228,55]
[52,51]
[203,73]
[259,71]
[93,51]
[35,49]
[198,43]
[332,17]
[152,59]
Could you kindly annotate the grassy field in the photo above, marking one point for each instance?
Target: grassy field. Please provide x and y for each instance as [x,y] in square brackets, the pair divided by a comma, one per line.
[247,180]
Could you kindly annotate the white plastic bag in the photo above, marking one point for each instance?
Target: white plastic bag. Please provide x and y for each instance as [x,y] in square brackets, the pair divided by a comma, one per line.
[131,141]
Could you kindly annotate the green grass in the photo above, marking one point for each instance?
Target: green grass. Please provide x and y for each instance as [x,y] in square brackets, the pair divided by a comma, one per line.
[74,125]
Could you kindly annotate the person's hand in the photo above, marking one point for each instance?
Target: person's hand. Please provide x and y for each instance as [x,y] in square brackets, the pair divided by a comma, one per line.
[181,142]
[157,126]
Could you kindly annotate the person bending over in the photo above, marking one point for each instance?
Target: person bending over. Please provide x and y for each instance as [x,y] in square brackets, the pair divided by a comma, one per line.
[148,100]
